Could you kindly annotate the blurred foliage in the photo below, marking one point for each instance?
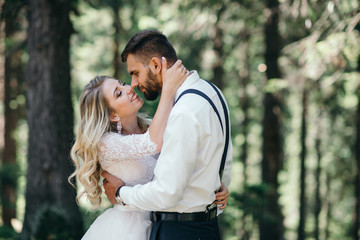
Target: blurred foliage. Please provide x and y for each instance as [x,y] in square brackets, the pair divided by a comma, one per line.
[7,233]
[251,200]
[52,224]
[9,174]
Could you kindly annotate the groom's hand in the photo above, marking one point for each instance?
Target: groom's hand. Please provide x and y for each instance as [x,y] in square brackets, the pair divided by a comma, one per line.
[111,184]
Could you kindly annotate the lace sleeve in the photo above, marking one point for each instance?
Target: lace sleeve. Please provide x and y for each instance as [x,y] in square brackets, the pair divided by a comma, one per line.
[114,147]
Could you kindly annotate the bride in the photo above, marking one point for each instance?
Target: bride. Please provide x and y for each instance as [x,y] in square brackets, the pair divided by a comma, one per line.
[112,136]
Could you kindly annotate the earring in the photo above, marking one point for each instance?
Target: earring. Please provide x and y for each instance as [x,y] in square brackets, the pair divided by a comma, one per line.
[118,125]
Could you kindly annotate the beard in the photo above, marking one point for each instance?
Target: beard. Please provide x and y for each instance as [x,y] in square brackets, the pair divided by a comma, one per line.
[152,87]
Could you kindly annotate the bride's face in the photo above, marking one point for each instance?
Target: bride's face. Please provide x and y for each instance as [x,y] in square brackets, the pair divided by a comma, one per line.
[121,98]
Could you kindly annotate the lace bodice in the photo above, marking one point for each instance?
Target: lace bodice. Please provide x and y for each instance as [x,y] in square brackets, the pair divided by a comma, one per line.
[131,158]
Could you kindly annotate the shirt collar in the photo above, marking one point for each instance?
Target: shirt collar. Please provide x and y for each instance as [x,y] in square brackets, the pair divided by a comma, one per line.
[191,79]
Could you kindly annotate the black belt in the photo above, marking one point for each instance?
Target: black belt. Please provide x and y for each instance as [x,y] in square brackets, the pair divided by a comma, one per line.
[184,217]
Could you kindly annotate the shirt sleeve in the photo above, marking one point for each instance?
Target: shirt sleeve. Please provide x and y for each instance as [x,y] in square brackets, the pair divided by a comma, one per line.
[114,147]
[174,167]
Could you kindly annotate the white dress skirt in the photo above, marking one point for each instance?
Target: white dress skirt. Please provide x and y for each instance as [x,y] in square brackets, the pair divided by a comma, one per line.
[118,223]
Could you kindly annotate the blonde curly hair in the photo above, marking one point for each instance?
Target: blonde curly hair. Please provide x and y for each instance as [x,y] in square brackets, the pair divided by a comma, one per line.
[94,123]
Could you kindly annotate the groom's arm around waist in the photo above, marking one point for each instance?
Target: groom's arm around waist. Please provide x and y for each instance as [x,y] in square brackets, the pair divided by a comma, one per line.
[184,180]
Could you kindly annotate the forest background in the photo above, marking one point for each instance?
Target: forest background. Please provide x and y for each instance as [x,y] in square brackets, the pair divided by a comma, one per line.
[289,70]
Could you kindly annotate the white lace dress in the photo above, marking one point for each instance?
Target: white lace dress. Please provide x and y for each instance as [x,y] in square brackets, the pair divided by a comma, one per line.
[131,158]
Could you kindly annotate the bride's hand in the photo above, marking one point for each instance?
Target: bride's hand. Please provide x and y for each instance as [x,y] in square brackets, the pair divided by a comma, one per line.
[173,77]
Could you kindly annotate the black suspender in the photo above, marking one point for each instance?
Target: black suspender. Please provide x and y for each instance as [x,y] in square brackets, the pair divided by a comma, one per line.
[227,133]
[226,115]
[195,91]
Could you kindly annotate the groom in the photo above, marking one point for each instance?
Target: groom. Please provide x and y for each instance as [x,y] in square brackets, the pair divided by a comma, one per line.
[187,171]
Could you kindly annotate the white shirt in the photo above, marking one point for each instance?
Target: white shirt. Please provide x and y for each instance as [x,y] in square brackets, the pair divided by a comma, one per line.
[187,170]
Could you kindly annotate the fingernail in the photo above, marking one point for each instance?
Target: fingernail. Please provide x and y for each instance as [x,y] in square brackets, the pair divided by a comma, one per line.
[162,58]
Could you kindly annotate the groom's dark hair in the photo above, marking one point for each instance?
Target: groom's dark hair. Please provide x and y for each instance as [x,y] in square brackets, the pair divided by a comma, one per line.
[147,44]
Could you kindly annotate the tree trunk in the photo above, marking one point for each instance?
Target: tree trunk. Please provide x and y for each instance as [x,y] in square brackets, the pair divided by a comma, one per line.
[317,178]
[116,44]
[244,102]
[218,69]
[329,207]
[302,210]
[13,110]
[271,226]
[51,209]
[356,220]
[244,105]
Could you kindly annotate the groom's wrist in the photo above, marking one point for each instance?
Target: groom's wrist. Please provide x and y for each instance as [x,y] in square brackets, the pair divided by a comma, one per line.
[118,198]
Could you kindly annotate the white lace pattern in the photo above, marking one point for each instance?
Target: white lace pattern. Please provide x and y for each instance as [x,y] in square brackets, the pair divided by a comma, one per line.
[131,158]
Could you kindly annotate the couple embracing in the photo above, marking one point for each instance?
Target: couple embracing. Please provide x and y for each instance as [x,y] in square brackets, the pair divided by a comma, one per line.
[167,177]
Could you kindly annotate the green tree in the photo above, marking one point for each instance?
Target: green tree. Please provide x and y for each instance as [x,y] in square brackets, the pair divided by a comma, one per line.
[51,210]
[271,223]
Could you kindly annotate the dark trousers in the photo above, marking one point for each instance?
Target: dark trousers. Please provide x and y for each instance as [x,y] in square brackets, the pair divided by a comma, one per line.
[167,230]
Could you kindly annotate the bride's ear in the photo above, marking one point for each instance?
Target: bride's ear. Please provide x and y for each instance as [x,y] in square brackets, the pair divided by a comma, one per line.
[114,118]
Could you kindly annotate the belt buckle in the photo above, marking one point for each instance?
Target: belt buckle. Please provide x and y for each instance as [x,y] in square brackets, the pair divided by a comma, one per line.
[210,207]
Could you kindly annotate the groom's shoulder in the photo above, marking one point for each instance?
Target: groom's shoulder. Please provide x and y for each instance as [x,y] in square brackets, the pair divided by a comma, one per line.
[194,100]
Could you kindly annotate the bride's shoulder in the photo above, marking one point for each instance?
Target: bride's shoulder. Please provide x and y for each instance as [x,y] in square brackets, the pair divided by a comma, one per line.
[111,134]
[109,137]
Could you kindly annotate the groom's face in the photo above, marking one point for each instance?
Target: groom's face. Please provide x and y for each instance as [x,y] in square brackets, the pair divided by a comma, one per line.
[143,78]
